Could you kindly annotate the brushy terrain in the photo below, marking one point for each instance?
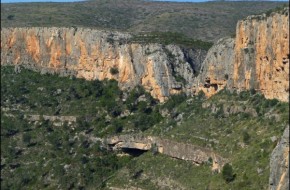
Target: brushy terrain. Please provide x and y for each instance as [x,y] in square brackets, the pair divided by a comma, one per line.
[44,154]
[207,21]
[40,149]
[37,154]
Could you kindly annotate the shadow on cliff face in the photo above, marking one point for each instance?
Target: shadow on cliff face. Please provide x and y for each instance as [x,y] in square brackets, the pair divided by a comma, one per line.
[195,58]
[133,151]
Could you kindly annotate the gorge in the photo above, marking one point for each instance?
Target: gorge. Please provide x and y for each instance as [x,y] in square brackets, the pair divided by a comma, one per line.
[258,58]
[255,63]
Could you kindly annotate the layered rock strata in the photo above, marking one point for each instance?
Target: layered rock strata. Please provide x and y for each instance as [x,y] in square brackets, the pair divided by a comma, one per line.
[257,59]
[189,152]
[92,54]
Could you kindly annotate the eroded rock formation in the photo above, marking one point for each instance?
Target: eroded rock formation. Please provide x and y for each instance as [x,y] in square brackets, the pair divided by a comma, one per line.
[217,69]
[257,59]
[189,152]
[279,164]
[93,54]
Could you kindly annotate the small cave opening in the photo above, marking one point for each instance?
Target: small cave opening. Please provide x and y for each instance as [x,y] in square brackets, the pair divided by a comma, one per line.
[206,85]
[207,80]
[285,60]
[215,86]
[133,151]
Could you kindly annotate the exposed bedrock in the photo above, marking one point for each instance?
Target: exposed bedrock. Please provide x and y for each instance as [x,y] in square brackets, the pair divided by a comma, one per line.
[183,151]
[93,54]
[258,58]
[279,164]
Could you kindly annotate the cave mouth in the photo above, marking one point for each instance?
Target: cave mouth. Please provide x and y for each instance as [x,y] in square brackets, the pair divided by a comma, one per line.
[215,86]
[133,151]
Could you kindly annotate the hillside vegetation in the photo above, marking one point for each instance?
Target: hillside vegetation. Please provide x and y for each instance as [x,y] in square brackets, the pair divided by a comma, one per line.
[43,153]
[53,128]
[207,21]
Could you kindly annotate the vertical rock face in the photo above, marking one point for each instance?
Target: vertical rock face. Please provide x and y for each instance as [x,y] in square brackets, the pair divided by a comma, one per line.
[257,59]
[262,55]
[279,164]
[93,54]
[217,69]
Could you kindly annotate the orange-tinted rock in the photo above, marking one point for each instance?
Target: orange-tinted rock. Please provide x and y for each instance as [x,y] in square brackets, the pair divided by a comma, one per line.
[262,55]
[90,54]
[217,68]
[257,59]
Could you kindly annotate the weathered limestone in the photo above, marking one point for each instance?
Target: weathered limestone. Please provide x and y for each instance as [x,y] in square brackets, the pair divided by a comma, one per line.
[279,164]
[257,59]
[189,152]
[262,55]
[217,69]
[92,54]
[51,118]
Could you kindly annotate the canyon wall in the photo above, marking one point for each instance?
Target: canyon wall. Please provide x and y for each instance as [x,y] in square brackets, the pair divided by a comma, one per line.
[217,69]
[257,59]
[93,54]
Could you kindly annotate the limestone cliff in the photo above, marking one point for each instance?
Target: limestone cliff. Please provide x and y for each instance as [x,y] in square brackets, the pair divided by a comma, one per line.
[93,54]
[279,164]
[217,69]
[257,59]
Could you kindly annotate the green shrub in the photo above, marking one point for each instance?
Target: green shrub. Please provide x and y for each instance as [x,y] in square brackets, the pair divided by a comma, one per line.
[246,137]
[252,91]
[210,160]
[226,76]
[10,17]
[174,100]
[114,71]
[244,95]
[154,149]
[118,126]
[179,78]
[171,38]
[227,173]
[26,138]
[201,95]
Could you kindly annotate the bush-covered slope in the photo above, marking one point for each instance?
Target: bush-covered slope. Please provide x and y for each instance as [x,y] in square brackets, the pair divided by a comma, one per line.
[45,154]
[208,21]
[39,153]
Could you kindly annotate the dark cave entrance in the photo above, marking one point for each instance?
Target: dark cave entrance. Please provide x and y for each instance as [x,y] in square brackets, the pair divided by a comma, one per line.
[133,151]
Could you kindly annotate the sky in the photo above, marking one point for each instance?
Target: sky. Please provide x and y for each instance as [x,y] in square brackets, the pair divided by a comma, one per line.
[26,1]
[212,0]
[17,1]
